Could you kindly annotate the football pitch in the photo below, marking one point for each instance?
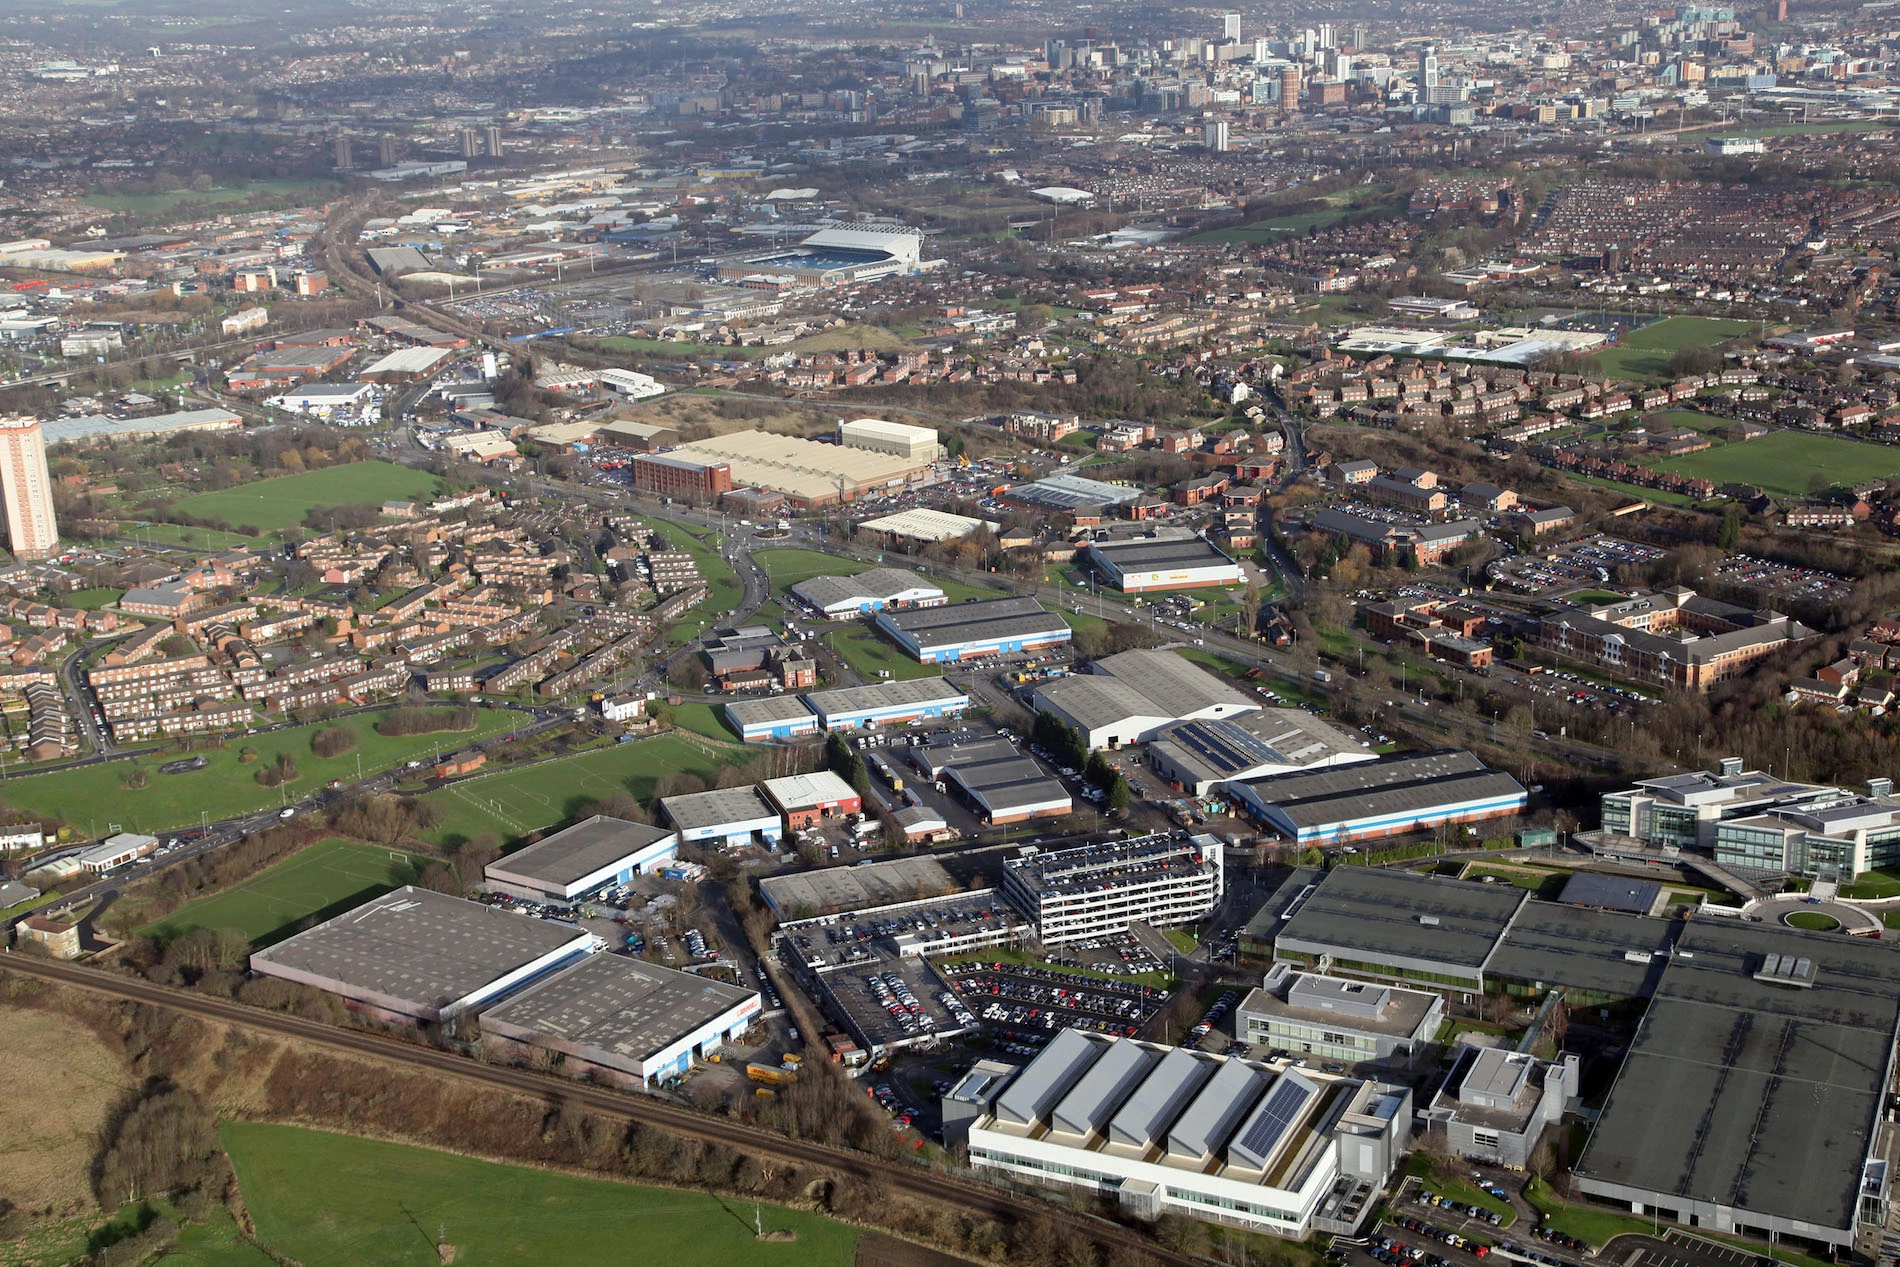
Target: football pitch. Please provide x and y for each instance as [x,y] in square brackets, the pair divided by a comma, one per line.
[279,503]
[1646,352]
[1785,462]
[322,880]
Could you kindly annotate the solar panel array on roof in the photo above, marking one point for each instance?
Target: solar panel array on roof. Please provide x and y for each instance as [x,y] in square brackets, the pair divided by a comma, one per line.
[1098,1092]
[1208,1122]
[1261,1137]
[1159,1100]
[1047,1078]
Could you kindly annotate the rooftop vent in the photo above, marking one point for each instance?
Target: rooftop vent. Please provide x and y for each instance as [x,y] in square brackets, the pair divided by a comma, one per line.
[1794,970]
[1731,765]
[1880,787]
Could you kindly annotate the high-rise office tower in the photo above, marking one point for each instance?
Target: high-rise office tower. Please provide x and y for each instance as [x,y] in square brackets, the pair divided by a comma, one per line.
[341,148]
[1214,135]
[1289,88]
[386,150]
[1427,71]
[1328,35]
[1358,39]
[26,489]
[1230,26]
[494,141]
[471,143]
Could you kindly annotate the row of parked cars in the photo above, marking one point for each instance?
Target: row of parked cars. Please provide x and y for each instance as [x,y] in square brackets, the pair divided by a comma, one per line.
[1444,1236]
[1474,1211]
[1221,1008]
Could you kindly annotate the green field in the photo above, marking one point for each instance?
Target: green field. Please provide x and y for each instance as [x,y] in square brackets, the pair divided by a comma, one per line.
[1692,419]
[1277,227]
[327,878]
[91,599]
[868,652]
[525,800]
[788,566]
[1783,462]
[88,797]
[280,503]
[1645,353]
[260,194]
[178,535]
[336,1201]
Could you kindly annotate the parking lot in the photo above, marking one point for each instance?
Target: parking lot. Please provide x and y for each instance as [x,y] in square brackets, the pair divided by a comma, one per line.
[1590,561]
[1030,1005]
[1810,585]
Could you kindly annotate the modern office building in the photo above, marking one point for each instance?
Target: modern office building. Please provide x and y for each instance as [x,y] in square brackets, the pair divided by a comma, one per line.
[418,955]
[690,478]
[1390,796]
[880,589]
[1684,810]
[1334,1019]
[580,859]
[901,438]
[729,818]
[1075,894]
[623,1020]
[1129,697]
[26,489]
[1167,1130]
[1673,637]
[995,779]
[887,703]
[774,718]
[1175,561]
[1753,1098]
[966,631]
[1494,1104]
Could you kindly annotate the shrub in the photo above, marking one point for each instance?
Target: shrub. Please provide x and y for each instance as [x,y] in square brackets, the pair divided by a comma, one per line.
[426,721]
[333,741]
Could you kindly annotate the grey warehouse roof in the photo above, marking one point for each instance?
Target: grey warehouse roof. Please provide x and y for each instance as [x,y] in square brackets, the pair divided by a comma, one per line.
[932,627]
[623,1009]
[1577,949]
[1366,912]
[580,850]
[856,699]
[419,947]
[1389,785]
[717,808]
[1611,892]
[1145,554]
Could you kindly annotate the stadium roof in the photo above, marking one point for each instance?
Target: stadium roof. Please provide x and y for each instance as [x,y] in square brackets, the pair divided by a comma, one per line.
[418,949]
[617,1009]
[1752,1095]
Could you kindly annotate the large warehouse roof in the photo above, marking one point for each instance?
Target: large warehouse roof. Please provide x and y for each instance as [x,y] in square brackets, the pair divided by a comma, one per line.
[835,889]
[1755,1095]
[616,1011]
[88,428]
[1602,952]
[722,807]
[846,700]
[1362,912]
[988,620]
[586,849]
[1179,553]
[1398,785]
[1063,492]
[922,524]
[418,951]
[801,468]
[853,593]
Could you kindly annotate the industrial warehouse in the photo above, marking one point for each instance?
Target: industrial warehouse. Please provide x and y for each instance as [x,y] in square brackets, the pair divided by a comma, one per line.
[1202,754]
[967,631]
[622,1020]
[809,473]
[417,955]
[887,703]
[776,718]
[880,589]
[1172,562]
[1387,797]
[997,781]
[728,818]
[581,859]
[1171,1130]
[1128,697]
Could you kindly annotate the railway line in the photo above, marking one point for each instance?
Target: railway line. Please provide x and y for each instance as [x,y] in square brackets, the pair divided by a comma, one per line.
[913,1181]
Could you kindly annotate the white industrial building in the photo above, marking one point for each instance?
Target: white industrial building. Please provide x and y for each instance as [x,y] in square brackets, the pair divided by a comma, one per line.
[116,851]
[880,436]
[632,384]
[418,955]
[324,399]
[580,859]
[1169,1130]
[843,597]
[1201,754]
[624,1020]
[1166,561]
[1095,890]
[1127,698]
[731,818]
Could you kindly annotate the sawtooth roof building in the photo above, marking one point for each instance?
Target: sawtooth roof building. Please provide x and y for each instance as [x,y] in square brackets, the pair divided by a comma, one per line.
[418,955]
[1168,1130]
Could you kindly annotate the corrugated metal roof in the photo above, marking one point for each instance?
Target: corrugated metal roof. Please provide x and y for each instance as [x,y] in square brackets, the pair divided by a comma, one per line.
[1047,1078]
[1208,1122]
[1161,1097]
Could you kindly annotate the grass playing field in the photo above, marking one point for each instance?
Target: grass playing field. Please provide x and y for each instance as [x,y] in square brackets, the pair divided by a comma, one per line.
[787,567]
[869,652]
[515,803]
[1697,421]
[336,1201]
[1645,353]
[323,880]
[278,503]
[89,797]
[1784,462]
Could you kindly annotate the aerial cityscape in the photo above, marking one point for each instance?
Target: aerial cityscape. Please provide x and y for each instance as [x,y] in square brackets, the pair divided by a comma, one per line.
[1067,635]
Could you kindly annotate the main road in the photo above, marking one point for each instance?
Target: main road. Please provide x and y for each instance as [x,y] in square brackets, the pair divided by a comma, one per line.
[919,1182]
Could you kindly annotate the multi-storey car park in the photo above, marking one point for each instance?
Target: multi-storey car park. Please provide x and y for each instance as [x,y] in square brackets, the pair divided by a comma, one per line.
[1169,1130]
[966,631]
[1076,894]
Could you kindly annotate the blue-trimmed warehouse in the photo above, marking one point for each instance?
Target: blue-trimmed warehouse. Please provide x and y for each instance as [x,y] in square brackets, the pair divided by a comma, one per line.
[887,703]
[973,630]
[1387,797]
